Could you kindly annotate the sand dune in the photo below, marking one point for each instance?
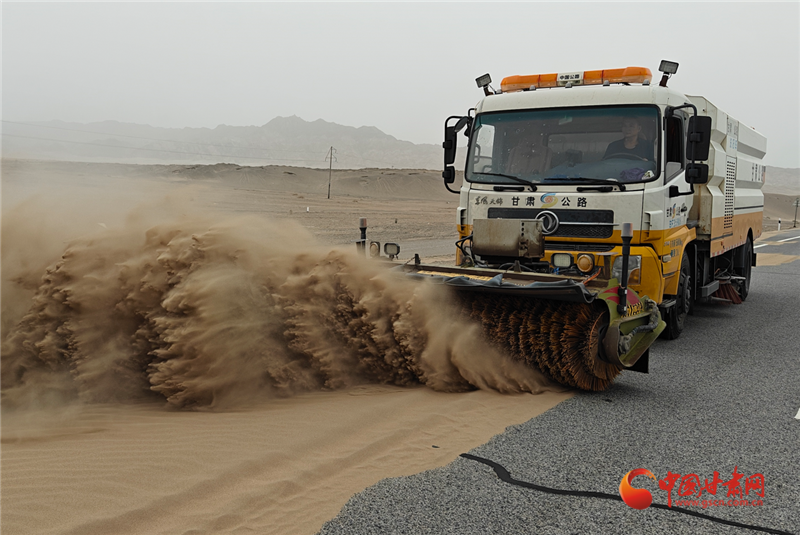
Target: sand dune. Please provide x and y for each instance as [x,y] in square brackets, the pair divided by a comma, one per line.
[776,207]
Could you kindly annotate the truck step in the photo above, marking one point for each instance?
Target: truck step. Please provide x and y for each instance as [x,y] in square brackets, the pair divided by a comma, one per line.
[667,303]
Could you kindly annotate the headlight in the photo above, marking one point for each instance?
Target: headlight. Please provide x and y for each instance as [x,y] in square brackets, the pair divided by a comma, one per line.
[634,269]
[562,260]
[391,249]
[374,249]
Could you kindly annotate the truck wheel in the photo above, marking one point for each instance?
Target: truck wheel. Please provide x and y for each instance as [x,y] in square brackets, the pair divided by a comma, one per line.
[745,269]
[676,317]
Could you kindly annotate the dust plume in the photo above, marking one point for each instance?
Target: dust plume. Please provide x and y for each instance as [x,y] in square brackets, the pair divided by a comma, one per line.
[208,313]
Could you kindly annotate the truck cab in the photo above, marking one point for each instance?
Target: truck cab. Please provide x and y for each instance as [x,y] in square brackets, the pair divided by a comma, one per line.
[585,152]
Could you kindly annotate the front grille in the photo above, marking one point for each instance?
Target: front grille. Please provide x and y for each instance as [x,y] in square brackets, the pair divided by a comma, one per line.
[598,230]
[582,247]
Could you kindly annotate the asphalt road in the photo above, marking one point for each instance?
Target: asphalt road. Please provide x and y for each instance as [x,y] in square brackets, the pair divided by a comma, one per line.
[429,250]
[722,397]
[785,242]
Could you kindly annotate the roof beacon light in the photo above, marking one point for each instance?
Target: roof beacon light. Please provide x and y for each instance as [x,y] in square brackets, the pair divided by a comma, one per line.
[483,82]
[628,75]
[668,68]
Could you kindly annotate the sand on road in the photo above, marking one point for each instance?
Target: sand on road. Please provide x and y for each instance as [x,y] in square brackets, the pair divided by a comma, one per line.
[281,467]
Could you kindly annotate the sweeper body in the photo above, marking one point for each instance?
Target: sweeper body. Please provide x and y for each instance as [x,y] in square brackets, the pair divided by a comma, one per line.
[596,209]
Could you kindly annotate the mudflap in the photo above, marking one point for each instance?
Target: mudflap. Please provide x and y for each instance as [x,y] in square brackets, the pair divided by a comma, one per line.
[643,364]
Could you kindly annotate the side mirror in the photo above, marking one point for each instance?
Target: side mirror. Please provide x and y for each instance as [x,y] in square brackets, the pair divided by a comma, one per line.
[697,173]
[449,145]
[450,132]
[698,141]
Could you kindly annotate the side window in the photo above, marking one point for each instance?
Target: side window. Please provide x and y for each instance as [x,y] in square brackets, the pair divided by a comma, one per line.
[674,146]
[484,147]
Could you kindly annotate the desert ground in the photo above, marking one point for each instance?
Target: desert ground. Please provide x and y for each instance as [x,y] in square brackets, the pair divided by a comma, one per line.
[198,369]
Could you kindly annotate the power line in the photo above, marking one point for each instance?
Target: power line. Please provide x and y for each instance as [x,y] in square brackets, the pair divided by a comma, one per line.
[163,150]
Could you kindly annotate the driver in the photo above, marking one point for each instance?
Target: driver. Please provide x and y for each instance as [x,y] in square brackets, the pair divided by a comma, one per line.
[632,142]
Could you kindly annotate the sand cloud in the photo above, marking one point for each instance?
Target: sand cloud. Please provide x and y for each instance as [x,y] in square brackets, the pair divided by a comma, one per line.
[208,311]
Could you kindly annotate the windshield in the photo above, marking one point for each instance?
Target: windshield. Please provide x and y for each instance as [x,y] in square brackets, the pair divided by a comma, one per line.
[565,145]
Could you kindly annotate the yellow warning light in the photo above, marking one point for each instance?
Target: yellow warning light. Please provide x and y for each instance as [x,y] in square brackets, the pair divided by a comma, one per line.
[628,75]
[585,263]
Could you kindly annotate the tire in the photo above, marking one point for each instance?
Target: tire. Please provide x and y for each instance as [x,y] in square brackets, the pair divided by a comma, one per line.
[745,269]
[676,315]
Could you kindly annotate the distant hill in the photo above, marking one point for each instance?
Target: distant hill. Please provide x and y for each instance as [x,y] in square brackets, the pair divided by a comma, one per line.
[282,141]
[782,181]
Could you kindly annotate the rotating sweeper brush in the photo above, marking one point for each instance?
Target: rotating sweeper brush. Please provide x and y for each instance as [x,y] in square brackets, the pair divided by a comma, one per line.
[562,340]
[573,333]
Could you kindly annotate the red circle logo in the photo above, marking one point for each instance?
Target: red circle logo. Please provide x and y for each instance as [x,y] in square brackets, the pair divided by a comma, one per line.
[636,498]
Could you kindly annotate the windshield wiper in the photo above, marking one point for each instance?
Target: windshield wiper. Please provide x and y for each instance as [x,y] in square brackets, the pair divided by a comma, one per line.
[583,180]
[605,189]
[512,177]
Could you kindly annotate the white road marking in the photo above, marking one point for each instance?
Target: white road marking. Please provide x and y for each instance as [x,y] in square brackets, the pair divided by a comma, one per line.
[798,415]
[788,239]
[762,245]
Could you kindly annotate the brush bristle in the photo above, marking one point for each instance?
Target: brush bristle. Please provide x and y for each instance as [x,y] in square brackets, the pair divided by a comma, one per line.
[560,339]
[726,291]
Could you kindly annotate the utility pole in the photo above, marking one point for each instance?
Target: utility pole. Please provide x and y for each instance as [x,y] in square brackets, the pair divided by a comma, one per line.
[330,168]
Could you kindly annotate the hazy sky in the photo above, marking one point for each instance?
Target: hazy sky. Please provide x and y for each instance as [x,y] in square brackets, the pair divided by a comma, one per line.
[402,67]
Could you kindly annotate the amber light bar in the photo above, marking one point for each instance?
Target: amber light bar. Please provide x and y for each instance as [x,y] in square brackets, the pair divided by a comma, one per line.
[628,75]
